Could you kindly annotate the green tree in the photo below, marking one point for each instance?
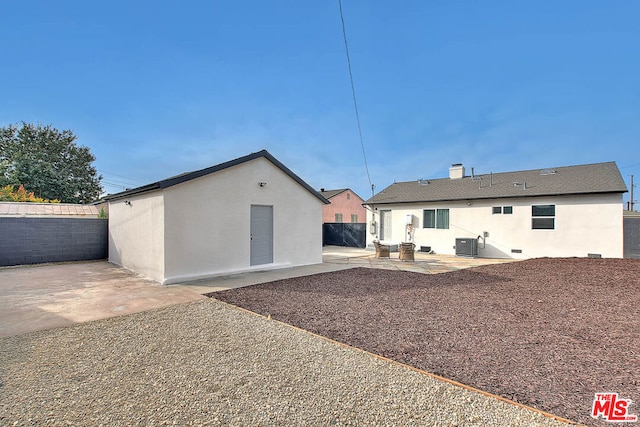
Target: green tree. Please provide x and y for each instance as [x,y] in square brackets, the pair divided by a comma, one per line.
[48,163]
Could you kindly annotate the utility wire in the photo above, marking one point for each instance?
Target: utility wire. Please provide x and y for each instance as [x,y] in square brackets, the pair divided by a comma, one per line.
[110,184]
[117,181]
[120,176]
[353,92]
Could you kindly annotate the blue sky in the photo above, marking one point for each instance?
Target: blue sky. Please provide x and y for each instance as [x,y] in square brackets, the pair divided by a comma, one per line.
[157,88]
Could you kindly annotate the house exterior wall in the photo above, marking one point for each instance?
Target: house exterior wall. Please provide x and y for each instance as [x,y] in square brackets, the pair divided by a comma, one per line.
[585,224]
[207,222]
[136,234]
[346,203]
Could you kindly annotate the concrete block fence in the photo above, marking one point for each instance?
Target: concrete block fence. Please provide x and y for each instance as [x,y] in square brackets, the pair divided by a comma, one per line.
[39,240]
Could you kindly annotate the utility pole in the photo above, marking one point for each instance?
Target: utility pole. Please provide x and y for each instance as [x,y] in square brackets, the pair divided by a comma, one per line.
[631,196]
[373,226]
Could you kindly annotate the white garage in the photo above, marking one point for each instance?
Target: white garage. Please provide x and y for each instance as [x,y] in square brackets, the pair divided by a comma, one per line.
[251,213]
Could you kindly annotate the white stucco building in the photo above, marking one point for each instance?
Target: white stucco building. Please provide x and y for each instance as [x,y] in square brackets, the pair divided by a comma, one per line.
[558,212]
[247,214]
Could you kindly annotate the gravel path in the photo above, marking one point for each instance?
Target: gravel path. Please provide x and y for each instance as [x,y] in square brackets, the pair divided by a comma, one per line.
[548,332]
[207,363]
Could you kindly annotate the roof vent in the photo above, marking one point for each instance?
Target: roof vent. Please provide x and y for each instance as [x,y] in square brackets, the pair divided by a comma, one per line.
[523,184]
[423,182]
[548,172]
[456,171]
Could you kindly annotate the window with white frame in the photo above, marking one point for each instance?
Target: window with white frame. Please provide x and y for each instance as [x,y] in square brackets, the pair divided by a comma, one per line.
[543,217]
[506,210]
[435,218]
[429,218]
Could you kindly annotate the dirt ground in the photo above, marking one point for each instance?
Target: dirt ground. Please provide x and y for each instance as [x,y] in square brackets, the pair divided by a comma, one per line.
[548,333]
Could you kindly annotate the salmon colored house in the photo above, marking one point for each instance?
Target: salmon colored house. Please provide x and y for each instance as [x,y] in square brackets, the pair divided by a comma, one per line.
[345,206]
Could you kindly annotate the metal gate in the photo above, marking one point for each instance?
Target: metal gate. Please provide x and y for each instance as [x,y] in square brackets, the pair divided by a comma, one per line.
[344,234]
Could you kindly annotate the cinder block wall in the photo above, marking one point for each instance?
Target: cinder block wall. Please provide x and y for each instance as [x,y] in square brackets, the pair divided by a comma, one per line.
[632,237]
[39,240]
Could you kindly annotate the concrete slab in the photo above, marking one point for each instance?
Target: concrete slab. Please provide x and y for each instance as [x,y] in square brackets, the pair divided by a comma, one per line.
[52,295]
[222,283]
[424,263]
[339,258]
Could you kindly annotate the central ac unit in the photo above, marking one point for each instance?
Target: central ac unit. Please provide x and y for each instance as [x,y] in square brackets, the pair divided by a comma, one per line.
[467,247]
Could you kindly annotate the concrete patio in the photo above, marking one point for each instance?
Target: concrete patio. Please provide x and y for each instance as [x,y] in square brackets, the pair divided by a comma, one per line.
[61,294]
[336,258]
[423,263]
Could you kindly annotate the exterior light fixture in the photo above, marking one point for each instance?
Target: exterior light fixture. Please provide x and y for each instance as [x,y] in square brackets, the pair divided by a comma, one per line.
[262,184]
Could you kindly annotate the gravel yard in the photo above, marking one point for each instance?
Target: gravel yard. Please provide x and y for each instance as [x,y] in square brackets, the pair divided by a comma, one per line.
[208,363]
[548,333]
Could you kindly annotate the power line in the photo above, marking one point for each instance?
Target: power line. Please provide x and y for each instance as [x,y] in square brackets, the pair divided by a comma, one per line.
[120,176]
[353,92]
[117,181]
[110,184]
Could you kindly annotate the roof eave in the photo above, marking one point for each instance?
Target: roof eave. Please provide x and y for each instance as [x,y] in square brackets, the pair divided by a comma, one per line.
[170,182]
[515,196]
[132,192]
[295,177]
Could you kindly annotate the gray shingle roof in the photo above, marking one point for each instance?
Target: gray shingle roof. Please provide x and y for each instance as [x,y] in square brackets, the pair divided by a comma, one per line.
[580,179]
[187,176]
[327,194]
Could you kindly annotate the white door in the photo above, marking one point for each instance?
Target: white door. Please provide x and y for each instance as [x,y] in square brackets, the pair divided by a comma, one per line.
[261,235]
[385,225]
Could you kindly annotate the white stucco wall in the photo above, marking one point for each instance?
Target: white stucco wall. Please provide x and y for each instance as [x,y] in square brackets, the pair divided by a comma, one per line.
[207,222]
[136,234]
[590,224]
